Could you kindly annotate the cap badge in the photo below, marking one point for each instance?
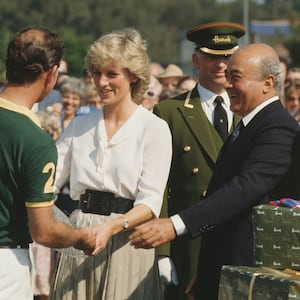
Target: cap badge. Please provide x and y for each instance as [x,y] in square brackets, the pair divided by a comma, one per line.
[221,39]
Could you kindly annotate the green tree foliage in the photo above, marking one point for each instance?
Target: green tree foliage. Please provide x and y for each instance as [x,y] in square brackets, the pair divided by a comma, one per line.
[161,22]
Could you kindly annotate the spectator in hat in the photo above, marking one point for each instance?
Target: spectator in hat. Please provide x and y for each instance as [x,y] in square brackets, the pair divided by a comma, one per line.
[170,77]
[196,142]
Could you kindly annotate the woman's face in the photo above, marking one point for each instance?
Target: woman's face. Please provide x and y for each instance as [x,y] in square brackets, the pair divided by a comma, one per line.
[113,84]
[71,102]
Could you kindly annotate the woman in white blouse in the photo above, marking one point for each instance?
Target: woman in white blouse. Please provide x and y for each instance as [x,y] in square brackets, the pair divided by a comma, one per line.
[118,161]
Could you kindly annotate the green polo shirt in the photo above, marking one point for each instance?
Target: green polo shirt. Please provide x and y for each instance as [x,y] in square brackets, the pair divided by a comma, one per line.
[28,160]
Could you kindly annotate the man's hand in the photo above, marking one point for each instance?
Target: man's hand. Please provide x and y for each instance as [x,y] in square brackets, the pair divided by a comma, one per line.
[153,233]
[87,241]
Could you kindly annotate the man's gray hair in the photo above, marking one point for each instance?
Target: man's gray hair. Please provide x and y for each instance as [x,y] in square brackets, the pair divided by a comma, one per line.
[271,66]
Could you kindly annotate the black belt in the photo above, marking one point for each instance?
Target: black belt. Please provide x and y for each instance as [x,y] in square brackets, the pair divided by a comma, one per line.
[25,246]
[103,203]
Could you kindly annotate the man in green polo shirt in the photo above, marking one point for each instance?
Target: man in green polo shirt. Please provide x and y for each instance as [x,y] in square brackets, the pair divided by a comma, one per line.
[27,163]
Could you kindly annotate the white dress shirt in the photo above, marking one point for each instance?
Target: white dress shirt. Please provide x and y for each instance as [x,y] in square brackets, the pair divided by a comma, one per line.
[133,164]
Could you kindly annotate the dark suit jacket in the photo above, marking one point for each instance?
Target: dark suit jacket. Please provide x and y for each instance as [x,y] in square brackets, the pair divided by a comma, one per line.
[196,145]
[258,167]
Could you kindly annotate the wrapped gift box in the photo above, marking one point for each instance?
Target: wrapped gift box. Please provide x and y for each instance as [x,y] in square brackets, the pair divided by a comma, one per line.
[258,283]
[277,237]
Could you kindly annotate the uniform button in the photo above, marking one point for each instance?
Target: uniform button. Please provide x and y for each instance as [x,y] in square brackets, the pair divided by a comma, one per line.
[204,193]
[195,170]
[187,148]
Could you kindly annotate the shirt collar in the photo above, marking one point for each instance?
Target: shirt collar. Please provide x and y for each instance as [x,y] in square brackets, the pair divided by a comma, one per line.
[246,119]
[208,97]
[21,110]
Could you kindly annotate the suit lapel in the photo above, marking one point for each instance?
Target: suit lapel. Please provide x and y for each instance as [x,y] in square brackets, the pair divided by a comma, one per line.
[200,126]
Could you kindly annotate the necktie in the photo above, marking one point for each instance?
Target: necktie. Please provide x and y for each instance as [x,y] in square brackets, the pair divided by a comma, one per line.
[231,139]
[236,132]
[220,118]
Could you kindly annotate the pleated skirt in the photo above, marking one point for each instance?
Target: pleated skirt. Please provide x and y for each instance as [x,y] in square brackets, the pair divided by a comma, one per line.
[119,272]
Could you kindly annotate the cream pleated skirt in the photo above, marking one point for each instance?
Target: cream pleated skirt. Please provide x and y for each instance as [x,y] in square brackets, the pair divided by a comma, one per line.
[119,272]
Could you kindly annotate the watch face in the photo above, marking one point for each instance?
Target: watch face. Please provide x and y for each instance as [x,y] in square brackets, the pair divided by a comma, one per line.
[125,225]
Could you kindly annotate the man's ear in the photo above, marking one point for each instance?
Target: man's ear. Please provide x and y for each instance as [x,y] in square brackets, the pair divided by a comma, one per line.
[50,77]
[195,60]
[53,71]
[269,83]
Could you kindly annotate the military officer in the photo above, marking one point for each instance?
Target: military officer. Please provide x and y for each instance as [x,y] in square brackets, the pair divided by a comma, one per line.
[196,141]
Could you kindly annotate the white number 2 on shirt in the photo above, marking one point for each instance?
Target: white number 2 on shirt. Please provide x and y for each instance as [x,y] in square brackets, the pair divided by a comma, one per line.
[49,185]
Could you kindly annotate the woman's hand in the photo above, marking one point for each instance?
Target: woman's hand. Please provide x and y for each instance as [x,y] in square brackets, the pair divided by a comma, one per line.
[103,233]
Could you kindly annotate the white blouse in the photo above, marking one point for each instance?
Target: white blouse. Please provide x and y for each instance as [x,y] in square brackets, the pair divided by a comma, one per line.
[134,164]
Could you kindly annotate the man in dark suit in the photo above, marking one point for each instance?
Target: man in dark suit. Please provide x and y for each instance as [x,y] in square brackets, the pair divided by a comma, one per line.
[258,163]
[196,141]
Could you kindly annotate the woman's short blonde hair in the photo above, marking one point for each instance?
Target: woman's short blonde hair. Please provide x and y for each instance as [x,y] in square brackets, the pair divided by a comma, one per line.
[128,50]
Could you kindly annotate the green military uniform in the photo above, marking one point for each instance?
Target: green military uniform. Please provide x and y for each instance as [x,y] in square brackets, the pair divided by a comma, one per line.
[196,145]
[27,167]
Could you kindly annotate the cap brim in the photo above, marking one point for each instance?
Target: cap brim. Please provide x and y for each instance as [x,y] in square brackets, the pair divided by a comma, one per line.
[218,52]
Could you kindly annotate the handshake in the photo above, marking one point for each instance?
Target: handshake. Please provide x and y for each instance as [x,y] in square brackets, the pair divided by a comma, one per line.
[93,240]
[90,240]
[148,235]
